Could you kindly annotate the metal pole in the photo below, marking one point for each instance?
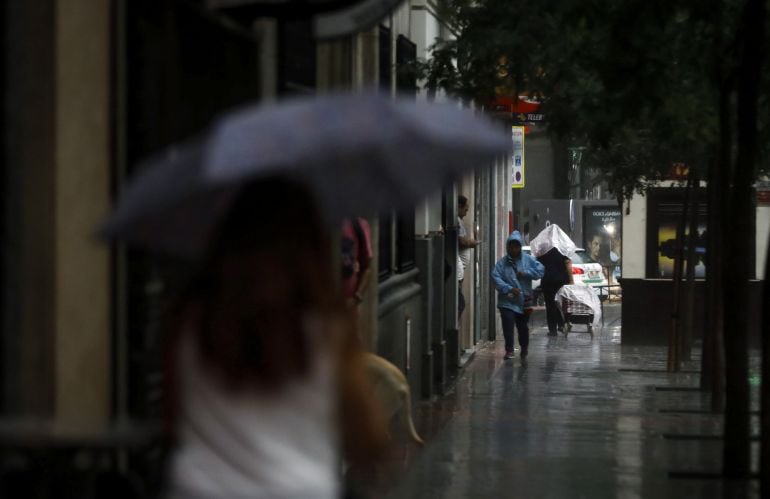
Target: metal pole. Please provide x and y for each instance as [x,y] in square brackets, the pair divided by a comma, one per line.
[764,460]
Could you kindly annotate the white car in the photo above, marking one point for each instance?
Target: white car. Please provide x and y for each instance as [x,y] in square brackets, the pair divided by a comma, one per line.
[584,271]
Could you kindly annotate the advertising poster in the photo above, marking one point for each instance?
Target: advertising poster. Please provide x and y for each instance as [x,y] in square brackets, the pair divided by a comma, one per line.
[602,238]
[668,217]
[664,214]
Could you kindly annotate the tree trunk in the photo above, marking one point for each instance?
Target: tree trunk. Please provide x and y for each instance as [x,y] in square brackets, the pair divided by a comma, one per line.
[674,338]
[712,358]
[737,462]
[735,295]
[707,351]
[689,295]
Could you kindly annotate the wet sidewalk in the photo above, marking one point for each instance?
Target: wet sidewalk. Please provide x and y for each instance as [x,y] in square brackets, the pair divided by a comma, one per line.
[581,418]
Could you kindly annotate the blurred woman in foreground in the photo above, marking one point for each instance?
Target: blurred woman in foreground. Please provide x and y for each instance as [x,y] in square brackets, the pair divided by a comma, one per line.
[267,381]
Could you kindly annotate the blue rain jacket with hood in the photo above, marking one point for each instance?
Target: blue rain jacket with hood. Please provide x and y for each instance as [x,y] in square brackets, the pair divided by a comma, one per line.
[505,278]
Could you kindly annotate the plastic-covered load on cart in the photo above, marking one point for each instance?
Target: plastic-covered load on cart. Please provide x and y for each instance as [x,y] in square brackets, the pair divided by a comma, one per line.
[549,238]
[580,299]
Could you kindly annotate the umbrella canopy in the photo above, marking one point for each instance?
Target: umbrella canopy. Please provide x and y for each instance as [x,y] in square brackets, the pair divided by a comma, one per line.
[552,237]
[357,154]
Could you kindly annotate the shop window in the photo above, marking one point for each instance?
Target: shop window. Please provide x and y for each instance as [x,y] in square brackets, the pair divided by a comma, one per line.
[397,241]
[184,66]
[297,58]
[406,84]
[406,74]
[386,70]
[405,253]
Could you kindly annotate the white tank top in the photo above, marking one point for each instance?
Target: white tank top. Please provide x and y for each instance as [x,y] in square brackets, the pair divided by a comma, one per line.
[256,445]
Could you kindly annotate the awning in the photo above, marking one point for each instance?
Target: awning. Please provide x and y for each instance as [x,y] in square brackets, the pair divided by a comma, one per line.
[330,18]
[522,105]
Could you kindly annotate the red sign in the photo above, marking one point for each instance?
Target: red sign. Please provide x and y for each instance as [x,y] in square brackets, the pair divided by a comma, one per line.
[763,197]
[522,105]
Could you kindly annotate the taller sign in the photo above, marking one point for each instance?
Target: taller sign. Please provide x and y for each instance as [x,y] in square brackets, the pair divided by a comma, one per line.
[517,158]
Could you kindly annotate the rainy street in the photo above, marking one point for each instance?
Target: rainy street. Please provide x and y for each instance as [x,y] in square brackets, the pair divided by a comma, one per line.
[580,419]
[258,249]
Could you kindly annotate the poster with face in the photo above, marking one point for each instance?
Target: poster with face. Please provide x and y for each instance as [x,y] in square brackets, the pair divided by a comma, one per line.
[602,236]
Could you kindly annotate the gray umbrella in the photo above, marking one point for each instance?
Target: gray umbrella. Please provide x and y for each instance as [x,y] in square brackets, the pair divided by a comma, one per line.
[357,153]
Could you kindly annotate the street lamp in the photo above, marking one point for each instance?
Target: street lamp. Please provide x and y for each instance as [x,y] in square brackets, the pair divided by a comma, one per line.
[575,161]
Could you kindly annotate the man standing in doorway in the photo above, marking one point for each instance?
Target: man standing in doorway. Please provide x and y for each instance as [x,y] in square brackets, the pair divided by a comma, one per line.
[356,258]
[465,244]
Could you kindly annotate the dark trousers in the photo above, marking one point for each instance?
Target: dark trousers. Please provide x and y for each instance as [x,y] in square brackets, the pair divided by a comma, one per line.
[460,299]
[552,310]
[521,321]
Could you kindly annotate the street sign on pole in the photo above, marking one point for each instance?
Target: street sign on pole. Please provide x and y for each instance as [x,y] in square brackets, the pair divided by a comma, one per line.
[518,160]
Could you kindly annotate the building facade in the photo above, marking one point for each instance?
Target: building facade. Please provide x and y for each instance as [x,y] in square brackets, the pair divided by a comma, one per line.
[92,86]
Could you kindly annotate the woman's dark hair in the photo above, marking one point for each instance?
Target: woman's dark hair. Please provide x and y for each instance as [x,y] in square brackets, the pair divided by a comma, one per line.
[462,200]
[270,266]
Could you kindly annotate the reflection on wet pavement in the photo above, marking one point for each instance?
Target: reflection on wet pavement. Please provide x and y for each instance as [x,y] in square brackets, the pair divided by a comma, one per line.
[581,418]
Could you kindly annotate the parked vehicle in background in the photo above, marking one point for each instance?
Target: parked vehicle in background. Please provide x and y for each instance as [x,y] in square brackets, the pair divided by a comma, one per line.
[584,271]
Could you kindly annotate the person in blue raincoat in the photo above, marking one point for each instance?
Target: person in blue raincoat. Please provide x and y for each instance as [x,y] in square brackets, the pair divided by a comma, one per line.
[513,276]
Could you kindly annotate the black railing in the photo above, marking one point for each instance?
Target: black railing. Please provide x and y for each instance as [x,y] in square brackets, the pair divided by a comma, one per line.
[47,460]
